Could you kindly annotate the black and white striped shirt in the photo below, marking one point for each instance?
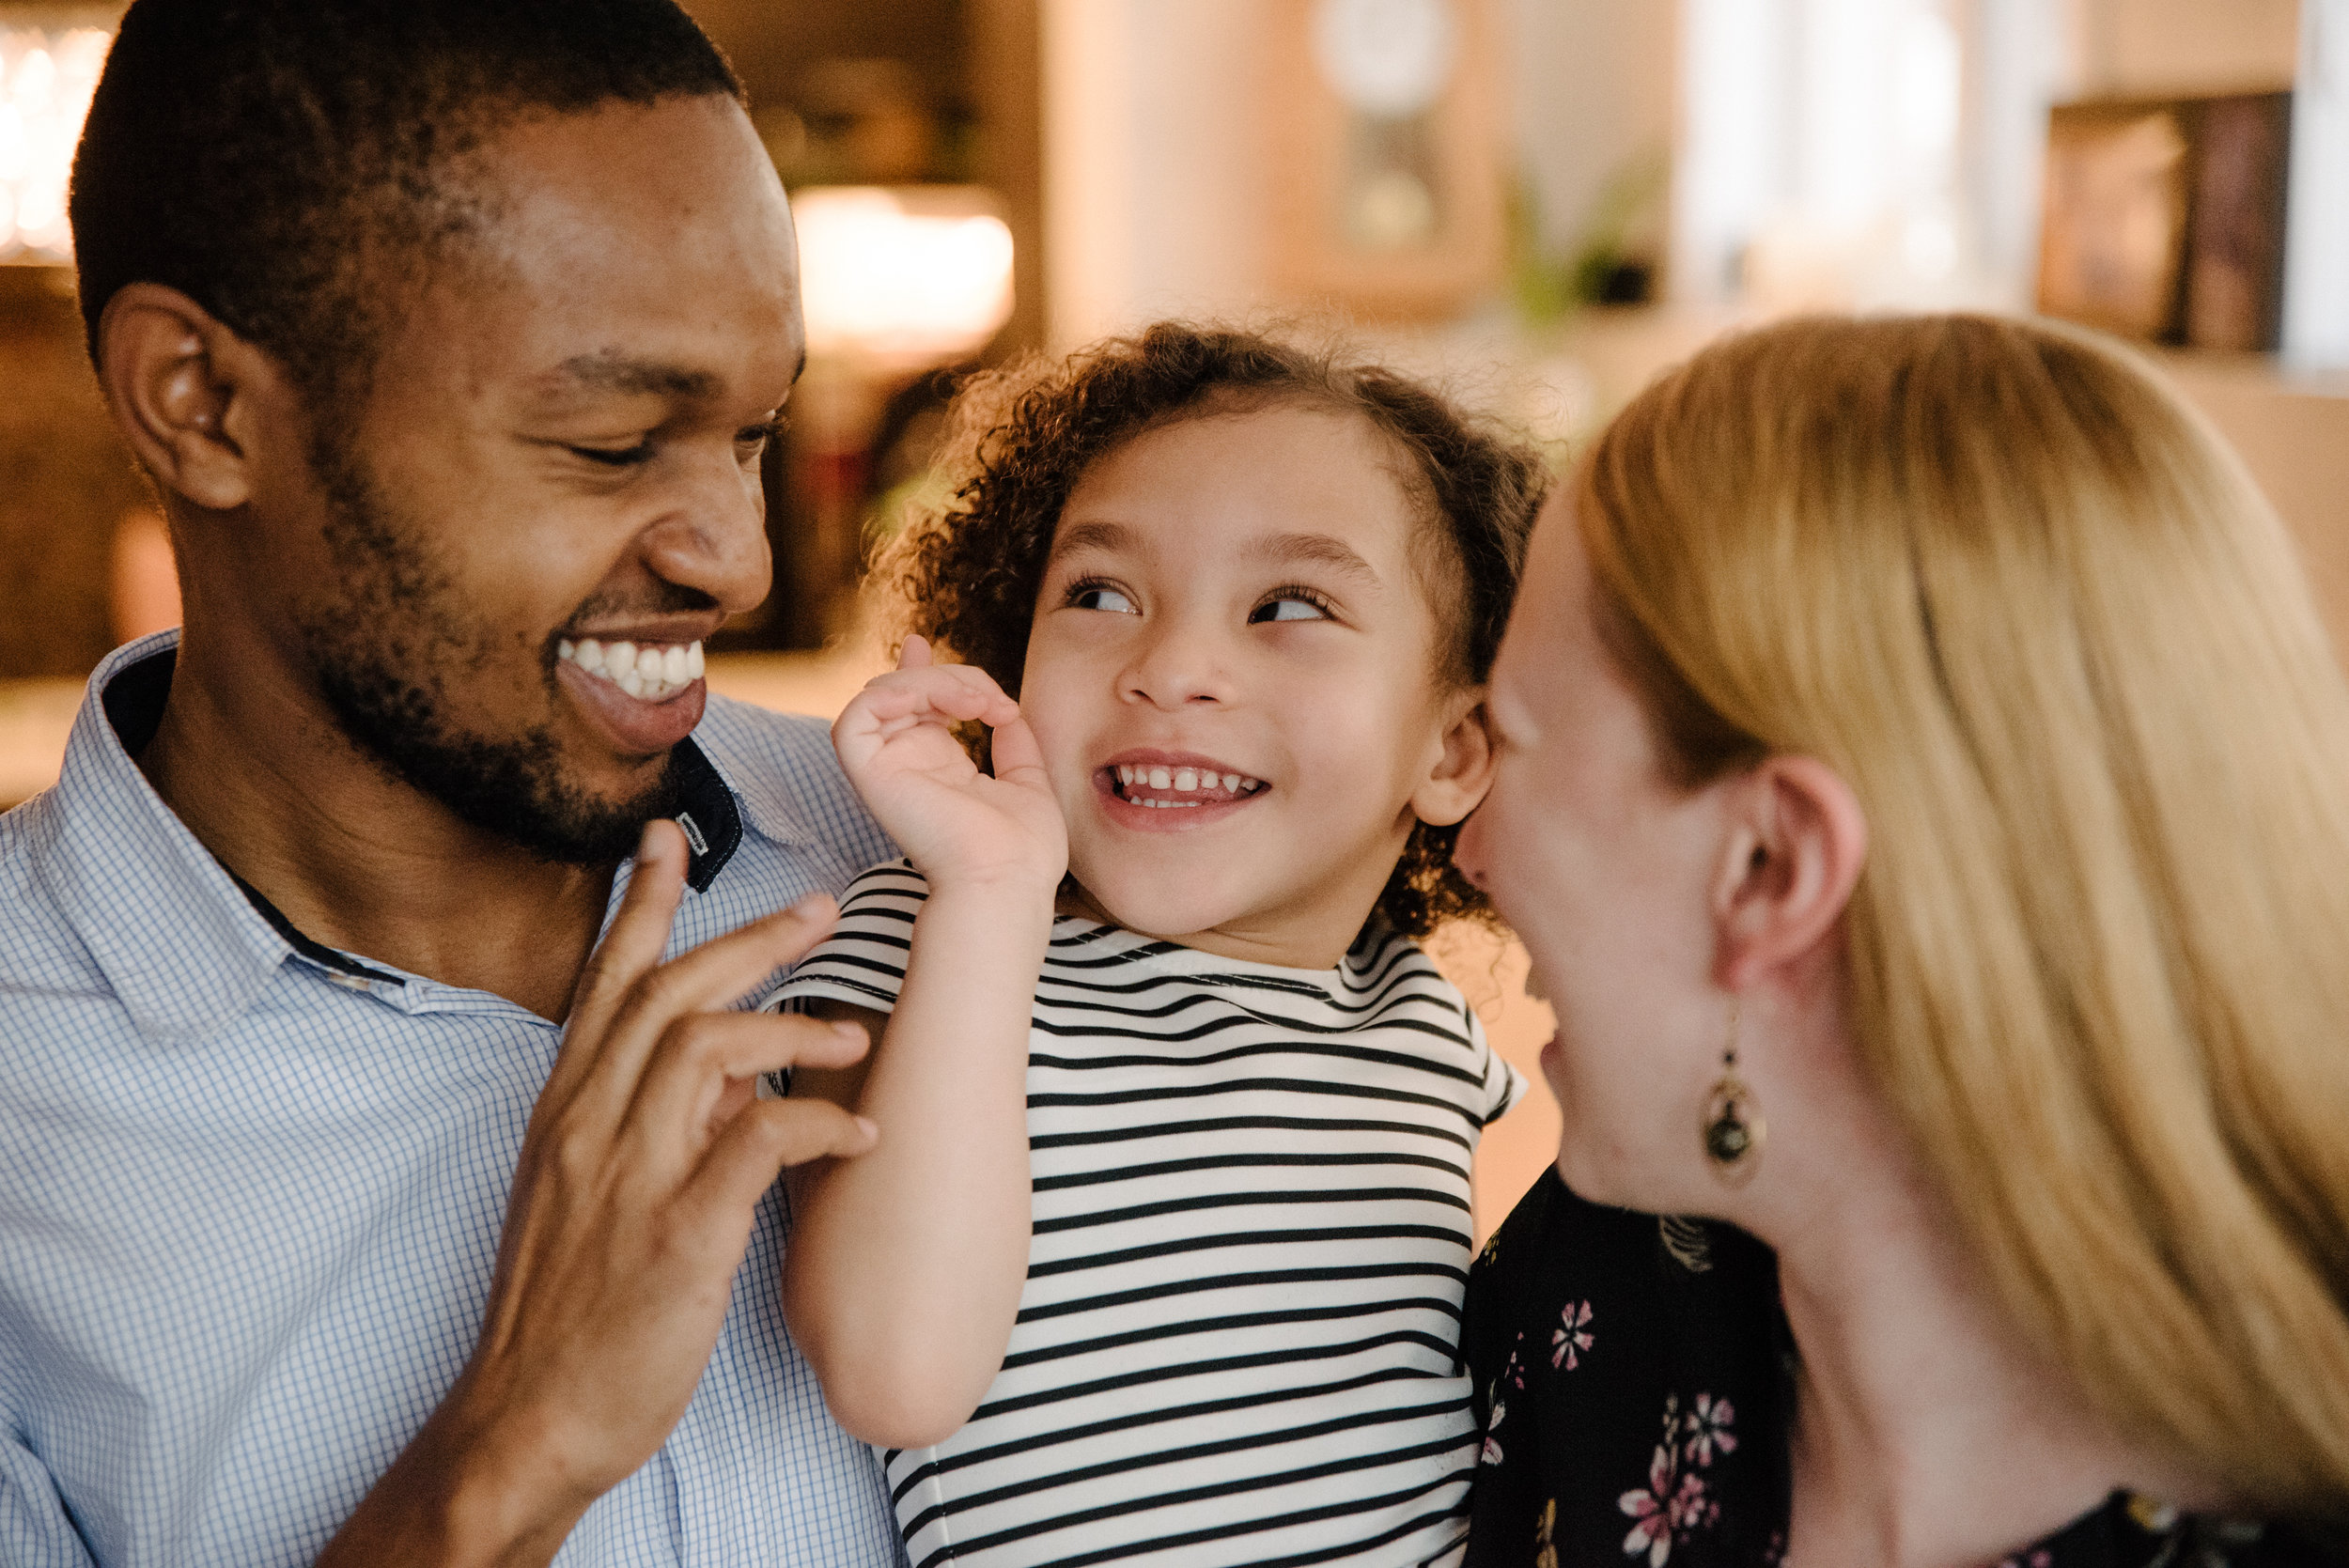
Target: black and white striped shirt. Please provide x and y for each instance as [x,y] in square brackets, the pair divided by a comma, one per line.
[1239,1338]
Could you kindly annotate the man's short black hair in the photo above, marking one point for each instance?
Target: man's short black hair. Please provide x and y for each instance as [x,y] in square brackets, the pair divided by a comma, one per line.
[292,164]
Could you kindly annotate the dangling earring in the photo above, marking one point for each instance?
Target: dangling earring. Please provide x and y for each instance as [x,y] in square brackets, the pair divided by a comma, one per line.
[1733,1129]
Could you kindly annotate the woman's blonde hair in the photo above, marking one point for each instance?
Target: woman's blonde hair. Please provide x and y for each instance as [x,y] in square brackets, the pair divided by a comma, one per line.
[2036,615]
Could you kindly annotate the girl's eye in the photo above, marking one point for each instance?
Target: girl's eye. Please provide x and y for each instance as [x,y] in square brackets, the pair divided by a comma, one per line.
[1095,596]
[1291,605]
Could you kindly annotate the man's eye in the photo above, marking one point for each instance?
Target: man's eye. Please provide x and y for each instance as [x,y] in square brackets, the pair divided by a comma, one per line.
[754,439]
[1290,606]
[617,456]
[1095,596]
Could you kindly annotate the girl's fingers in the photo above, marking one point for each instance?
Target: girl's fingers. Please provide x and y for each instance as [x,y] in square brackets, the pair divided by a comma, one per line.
[1018,757]
[957,691]
[915,654]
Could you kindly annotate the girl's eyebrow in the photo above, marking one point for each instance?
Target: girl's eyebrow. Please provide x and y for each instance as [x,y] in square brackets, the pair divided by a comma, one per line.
[1091,535]
[1284,550]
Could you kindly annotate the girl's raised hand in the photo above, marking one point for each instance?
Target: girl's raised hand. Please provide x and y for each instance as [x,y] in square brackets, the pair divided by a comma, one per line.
[959,826]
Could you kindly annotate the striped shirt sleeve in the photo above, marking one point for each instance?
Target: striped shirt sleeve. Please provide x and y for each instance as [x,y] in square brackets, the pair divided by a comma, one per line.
[1505,1086]
[862,962]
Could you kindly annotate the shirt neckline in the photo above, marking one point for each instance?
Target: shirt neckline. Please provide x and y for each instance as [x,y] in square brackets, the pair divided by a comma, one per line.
[186,944]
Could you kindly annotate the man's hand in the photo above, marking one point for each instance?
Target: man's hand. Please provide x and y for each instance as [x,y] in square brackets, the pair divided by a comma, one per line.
[961,827]
[632,1209]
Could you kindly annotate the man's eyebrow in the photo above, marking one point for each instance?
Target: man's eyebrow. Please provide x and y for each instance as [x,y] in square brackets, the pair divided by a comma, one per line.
[1096,533]
[1283,549]
[634,377]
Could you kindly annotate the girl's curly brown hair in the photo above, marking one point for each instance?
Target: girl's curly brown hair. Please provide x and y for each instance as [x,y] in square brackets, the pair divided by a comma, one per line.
[966,574]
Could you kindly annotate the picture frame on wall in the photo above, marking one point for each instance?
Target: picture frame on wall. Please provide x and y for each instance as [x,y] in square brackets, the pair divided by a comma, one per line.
[1387,135]
[2164,219]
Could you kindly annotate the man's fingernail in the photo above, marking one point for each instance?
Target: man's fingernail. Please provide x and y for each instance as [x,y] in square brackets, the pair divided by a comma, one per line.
[843,1027]
[871,1130]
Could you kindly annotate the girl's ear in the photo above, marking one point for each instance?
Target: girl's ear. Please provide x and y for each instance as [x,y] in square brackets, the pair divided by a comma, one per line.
[1463,770]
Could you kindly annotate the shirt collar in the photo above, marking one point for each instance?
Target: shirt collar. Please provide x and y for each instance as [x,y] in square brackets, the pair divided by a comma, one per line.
[186,947]
[764,795]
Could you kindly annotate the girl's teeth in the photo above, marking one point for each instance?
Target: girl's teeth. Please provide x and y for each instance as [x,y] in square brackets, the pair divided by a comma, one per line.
[1162,779]
[1186,780]
[1231,783]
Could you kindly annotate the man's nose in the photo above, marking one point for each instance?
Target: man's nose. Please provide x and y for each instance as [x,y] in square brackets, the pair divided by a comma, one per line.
[714,536]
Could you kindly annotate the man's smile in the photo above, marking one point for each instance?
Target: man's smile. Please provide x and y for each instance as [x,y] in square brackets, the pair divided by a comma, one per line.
[648,696]
[654,671]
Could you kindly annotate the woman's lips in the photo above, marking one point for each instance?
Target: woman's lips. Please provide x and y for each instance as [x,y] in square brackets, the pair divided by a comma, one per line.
[639,728]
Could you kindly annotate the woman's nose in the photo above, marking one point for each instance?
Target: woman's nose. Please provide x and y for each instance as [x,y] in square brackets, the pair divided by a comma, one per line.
[1468,850]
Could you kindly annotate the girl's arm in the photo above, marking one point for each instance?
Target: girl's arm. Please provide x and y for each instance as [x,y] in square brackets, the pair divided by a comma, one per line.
[905,1266]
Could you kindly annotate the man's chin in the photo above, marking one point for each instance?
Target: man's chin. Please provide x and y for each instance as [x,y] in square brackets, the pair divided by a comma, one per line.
[517,788]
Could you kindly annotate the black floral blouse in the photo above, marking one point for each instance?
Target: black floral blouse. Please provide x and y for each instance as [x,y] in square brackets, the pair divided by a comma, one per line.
[1634,1378]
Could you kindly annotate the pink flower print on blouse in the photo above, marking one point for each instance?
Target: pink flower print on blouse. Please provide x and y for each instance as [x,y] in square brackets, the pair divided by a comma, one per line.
[1569,1341]
[1677,1502]
[1512,1376]
[1651,1510]
[1707,1424]
[1492,1442]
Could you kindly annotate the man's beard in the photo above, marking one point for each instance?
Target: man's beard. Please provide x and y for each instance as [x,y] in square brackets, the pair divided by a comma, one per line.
[381,654]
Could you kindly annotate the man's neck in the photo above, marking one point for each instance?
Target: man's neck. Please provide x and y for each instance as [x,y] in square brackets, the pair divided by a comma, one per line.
[352,857]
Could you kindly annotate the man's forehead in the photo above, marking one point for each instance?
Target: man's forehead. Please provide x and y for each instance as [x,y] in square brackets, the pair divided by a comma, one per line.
[597,276]
[611,370]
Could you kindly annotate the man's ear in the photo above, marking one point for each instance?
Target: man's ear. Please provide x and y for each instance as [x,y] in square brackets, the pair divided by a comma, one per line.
[182,388]
[1796,842]
[1464,769]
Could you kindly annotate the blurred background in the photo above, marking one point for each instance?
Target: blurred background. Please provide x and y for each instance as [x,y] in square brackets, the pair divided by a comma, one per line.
[1540,203]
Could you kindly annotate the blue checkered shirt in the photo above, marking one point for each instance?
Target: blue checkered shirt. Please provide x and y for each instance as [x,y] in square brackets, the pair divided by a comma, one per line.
[251,1190]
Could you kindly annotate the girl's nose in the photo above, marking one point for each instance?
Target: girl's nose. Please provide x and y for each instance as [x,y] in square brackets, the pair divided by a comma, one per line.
[1177,669]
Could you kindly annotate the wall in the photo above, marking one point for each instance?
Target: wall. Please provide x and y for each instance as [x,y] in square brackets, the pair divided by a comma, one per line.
[1594,86]
[2156,47]
[1154,188]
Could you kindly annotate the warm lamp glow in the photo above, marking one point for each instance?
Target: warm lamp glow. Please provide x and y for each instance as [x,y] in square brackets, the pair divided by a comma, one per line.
[902,279]
[46,77]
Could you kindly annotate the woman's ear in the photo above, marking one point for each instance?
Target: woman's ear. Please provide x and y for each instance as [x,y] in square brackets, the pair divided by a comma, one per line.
[1463,769]
[1796,842]
[181,387]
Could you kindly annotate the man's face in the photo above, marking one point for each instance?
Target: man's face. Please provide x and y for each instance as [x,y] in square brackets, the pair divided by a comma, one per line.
[558,464]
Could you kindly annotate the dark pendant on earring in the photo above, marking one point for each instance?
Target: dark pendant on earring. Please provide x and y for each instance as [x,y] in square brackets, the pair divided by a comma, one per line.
[1733,1130]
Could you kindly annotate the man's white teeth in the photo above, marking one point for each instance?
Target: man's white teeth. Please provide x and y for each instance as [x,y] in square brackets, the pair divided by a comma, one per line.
[654,673]
[1182,780]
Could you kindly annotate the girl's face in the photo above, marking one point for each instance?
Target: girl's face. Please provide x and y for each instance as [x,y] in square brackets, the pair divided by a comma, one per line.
[1603,867]
[1233,673]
